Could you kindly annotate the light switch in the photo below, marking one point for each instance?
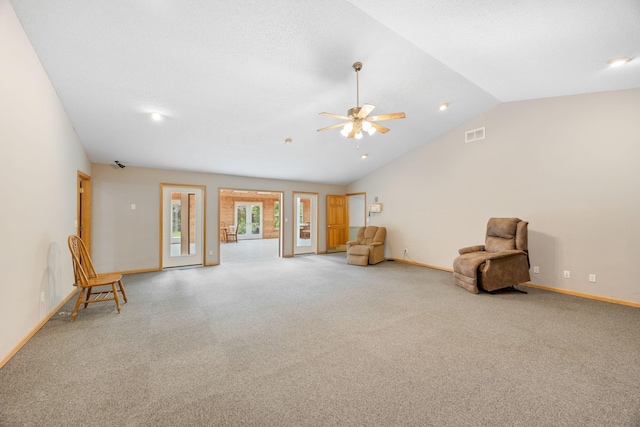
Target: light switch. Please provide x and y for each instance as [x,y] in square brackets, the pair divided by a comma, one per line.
[133,206]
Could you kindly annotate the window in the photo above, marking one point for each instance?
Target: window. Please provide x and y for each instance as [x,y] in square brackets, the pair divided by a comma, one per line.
[276,215]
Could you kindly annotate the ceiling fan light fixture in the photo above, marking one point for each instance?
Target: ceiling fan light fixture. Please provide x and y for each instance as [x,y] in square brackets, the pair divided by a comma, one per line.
[616,62]
[358,118]
[346,129]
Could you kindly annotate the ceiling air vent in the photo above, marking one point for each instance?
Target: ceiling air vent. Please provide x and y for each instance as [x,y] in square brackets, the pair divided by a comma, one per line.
[474,135]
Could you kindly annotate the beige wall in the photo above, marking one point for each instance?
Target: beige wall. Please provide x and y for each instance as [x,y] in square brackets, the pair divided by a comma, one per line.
[567,165]
[41,156]
[126,239]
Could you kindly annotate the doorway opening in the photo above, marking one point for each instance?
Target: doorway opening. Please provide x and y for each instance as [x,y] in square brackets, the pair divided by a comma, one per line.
[255,215]
[305,233]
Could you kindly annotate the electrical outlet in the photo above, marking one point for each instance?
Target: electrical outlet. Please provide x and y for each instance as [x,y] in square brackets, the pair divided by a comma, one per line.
[536,269]
[210,253]
[592,278]
[41,296]
[567,274]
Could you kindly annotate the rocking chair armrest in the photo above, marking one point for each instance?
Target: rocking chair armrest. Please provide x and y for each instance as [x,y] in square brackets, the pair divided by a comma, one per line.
[468,249]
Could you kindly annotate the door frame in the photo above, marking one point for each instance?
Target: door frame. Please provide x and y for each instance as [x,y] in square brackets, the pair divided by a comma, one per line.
[83,214]
[313,227]
[164,185]
[331,226]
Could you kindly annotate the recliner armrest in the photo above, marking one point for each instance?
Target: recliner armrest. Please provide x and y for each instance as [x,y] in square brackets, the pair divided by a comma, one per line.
[351,243]
[506,254]
[477,248]
[375,244]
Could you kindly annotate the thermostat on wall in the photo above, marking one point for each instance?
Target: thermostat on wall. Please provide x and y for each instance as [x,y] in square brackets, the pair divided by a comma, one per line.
[375,207]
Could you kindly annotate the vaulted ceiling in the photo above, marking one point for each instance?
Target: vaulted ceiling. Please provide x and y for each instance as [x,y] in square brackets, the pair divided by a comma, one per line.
[233,80]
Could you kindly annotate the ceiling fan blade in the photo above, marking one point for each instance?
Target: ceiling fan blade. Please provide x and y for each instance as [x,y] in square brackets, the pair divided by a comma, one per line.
[352,133]
[339,125]
[391,116]
[365,110]
[335,116]
[379,128]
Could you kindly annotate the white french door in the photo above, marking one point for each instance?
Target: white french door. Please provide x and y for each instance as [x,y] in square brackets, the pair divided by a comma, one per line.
[248,216]
[305,229]
[182,226]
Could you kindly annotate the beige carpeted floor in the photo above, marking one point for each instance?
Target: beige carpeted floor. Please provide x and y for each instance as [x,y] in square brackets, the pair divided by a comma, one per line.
[311,341]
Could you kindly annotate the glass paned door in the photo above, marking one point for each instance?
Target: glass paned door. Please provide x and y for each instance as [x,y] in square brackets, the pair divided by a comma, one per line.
[256,220]
[249,220]
[182,226]
[305,240]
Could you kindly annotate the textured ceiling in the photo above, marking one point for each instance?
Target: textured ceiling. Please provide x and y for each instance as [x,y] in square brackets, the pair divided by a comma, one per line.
[235,79]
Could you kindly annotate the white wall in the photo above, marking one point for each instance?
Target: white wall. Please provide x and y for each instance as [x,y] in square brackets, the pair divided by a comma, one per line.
[41,156]
[128,240]
[568,165]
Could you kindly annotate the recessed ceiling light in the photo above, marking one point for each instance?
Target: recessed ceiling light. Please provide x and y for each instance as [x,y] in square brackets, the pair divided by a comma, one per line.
[443,107]
[288,141]
[364,156]
[156,116]
[616,62]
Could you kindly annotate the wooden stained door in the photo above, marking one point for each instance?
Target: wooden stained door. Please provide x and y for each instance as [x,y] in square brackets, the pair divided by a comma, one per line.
[337,223]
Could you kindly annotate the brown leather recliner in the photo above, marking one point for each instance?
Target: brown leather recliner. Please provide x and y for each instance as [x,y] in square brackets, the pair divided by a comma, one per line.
[503,261]
[368,248]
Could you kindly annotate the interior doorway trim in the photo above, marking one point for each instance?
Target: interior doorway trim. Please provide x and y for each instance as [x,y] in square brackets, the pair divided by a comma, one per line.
[203,188]
[83,221]
[312,220]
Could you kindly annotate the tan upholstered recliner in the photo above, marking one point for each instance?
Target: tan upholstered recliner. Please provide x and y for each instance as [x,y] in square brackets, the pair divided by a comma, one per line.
[368,248]
[503,261]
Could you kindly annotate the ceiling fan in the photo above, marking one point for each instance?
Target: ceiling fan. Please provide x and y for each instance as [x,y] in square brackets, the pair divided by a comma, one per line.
[358,118]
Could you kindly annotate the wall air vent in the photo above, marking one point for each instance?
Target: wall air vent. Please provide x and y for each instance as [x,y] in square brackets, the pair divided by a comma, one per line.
[474,135]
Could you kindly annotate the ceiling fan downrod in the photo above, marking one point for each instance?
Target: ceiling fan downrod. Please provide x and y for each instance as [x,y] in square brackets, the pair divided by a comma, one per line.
[357,66]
